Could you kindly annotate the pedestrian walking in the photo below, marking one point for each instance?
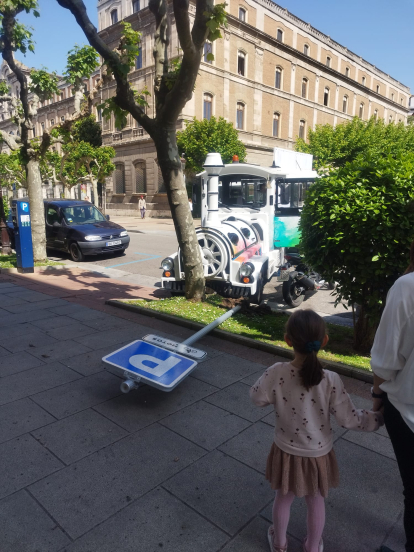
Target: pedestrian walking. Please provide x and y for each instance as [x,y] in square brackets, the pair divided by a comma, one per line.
[392,361]
[302,461]
[190,203]
[142,206]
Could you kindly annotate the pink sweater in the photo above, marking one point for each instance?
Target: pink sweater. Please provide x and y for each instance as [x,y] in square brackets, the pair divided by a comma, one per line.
[303,425]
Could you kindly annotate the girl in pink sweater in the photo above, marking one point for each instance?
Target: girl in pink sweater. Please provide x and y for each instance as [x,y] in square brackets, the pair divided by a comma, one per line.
[302,461]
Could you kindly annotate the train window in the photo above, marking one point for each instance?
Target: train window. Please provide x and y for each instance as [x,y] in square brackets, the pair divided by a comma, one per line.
[242,191]
[290,194]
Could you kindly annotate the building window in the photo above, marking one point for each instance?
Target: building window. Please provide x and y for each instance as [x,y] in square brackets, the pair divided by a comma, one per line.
[326,97]
[378,89]
[279,35]
[402,101]
[328,61]
[390,119]
[34,132]
[119,179]
[276,121]
[364,81]
[361,110]
[140,178]
[52,122]
[347,71]
[207,106]
[17,91]
[278,79]
[345,104]
[99,113]
[62,118]
[241,63]
[304,88]
[242,14]
[306,49]
[240,116]
[42,125]
[208,52]
[392,96]
[302,129]
[376,115]
[135,6]
[114,17]
[138,60]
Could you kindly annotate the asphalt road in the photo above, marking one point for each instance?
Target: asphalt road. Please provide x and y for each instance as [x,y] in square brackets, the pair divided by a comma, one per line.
[152,241]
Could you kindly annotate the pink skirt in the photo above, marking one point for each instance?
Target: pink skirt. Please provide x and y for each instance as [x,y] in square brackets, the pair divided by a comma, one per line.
[301,475]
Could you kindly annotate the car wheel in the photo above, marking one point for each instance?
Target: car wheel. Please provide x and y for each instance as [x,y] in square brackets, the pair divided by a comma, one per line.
[75,253]
[293,292]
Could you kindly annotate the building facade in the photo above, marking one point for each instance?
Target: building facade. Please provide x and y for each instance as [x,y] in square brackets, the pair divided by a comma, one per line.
[273,76]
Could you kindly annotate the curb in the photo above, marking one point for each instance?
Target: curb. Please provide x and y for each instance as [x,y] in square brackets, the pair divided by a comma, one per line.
[342,369]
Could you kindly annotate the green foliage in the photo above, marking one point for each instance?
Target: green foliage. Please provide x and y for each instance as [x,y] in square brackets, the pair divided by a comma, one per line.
[202,137]
[43,83]
[87,130]
[357,226]
[11,169]
[216,18]
[335,146]
[110,106]
[4,88]
[81,63]
[6,206]
[21,35]
[172,75]
[128,48]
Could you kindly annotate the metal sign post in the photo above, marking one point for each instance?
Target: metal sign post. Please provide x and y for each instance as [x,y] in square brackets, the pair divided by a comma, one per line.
[158,361]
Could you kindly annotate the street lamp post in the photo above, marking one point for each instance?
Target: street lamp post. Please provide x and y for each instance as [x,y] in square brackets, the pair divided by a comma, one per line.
[4,235]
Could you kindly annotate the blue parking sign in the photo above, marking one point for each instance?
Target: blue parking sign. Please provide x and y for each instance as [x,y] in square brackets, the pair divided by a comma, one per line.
[155,366]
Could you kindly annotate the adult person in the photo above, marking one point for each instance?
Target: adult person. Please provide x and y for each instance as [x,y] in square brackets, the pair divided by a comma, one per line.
[142,206]
[392,361]
[190,203]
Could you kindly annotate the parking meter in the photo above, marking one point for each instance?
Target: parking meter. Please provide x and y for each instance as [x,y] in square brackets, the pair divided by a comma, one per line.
[23,235]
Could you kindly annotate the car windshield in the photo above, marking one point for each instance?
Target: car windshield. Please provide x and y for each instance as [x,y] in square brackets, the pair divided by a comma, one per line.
[242,190]
[82,214]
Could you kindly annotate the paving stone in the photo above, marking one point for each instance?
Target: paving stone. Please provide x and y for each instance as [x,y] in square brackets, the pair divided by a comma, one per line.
[90,362]
[96,487]
[9,332]
[70,331]
[25,526]
[252,378]
[251,446]
[58,350]
[8,301]
[4,353]
[6,287]
[29,295]
[79,435]
[17,362]
[20,417]
[35,380]
[396,539]
[32,340]
[21,318]
[365,506]
[205,424]
[157,521]
[40,305]
[55,322]
[236,399]
[107,322]
[147,405]
[86,314]
[223,490]
[70,308]
[23,461]
[224,370]
[113,337]
[372,441]
[253,538]
[79,395]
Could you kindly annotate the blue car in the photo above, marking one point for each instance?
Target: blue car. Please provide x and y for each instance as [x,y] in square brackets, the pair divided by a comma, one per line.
[80,229]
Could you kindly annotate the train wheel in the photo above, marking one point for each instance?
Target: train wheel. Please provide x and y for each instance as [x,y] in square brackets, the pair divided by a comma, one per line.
[293,292]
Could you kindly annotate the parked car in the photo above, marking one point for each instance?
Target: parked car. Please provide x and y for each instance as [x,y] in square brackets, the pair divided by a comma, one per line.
[80,229]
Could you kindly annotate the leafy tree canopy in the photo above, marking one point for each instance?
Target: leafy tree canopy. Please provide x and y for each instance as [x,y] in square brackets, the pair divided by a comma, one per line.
[335,146]
[202,137]
[43,83]
[87,130]
[357,226]
[82,62]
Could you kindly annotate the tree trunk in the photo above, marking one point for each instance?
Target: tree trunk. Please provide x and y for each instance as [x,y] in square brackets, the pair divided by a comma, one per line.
[364,332]
[170,165]
[37,210]
[95,192]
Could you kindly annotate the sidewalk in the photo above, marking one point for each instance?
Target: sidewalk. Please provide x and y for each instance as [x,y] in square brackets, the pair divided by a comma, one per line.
[88,469]
[137,224]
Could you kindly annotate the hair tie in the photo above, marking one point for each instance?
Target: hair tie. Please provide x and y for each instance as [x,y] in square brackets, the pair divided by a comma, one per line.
[313,346]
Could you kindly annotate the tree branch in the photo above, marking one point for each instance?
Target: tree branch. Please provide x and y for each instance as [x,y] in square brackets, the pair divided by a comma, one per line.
[11,142]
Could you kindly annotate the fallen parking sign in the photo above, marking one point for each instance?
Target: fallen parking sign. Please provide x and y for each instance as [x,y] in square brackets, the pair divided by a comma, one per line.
[152,364]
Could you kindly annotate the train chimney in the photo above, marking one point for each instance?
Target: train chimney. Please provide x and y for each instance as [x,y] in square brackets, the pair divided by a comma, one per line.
[213,166]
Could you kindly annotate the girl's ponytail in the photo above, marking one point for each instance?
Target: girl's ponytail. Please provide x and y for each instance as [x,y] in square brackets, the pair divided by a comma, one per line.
[306,330]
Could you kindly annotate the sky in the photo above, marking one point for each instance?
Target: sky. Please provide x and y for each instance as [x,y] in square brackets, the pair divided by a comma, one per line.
[377,30]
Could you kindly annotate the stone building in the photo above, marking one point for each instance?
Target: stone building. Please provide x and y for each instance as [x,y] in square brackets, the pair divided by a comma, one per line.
[273,76]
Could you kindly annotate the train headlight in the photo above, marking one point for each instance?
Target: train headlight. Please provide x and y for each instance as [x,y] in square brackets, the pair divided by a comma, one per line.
[167,264]
[246,270]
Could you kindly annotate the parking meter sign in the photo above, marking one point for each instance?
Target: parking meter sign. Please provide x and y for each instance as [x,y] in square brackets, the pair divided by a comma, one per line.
[155,366]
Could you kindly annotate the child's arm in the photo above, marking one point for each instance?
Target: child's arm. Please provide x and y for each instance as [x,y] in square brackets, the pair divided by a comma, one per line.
[260,392]
[346,413]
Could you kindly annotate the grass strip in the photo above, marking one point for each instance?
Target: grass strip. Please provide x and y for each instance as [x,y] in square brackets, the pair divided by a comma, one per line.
[269,328]
[10,261]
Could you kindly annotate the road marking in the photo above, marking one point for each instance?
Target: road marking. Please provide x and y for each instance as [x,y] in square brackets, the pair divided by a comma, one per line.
[150,258]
